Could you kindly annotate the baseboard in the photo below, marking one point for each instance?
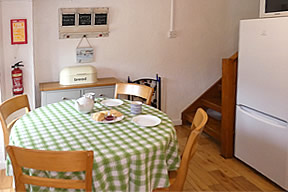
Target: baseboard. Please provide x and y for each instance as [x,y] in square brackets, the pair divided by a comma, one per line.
[177,122]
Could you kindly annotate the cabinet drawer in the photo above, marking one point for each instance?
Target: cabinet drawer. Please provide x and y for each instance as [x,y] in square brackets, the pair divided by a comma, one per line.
[56,96]
[104,91]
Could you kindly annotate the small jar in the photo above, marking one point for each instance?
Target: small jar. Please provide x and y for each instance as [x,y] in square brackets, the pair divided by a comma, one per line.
[136,107]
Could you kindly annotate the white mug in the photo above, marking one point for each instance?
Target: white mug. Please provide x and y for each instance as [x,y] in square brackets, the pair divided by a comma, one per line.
[136,107]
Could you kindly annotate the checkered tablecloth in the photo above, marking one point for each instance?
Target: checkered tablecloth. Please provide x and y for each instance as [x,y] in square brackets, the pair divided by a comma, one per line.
[127,157]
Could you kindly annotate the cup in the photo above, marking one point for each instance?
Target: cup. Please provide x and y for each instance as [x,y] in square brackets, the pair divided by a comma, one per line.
[136,107]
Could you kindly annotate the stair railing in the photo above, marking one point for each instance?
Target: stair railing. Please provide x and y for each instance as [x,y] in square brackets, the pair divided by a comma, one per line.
[229,84]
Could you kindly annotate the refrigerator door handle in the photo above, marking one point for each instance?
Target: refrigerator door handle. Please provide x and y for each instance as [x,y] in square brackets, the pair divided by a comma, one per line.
[280,123]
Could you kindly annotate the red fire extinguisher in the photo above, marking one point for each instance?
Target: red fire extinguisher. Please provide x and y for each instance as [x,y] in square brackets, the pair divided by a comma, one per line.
[17,78]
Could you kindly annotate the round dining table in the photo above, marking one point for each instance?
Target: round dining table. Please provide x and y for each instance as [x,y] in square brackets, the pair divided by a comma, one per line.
[127,156]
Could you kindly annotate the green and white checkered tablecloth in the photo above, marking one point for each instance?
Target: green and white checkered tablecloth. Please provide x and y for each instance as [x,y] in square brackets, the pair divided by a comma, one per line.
[127,157]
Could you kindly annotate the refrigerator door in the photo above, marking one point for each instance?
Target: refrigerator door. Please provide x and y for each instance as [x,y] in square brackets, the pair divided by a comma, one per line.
[263,65]
[261,142]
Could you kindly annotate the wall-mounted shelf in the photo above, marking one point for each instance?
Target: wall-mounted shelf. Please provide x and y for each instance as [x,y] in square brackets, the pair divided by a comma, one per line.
[77,22]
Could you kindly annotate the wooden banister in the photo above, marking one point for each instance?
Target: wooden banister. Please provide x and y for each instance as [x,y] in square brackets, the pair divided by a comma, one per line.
[233,57]
[229,81]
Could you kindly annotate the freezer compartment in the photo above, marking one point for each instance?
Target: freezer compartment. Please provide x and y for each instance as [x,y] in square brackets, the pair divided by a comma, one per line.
[261,141]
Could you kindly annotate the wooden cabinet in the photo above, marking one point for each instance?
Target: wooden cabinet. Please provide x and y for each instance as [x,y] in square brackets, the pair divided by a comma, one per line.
[103,91]
[48,97]
[52,92]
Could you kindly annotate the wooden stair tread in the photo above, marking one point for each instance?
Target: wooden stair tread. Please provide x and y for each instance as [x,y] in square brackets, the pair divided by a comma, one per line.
[219,87]
[213,128]
[212,103]
[189,116]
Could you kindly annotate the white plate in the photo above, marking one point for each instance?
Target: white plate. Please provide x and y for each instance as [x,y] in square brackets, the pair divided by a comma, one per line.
[112,102]
[146,120]
[113,121]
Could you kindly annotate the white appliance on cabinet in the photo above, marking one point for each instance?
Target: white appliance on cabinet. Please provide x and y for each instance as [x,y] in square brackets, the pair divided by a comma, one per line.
[261,131]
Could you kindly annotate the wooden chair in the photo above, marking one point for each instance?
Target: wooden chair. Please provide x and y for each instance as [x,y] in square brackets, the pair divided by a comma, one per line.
[7,108]
[134,89]
[59,161]
[155,84]
[200,118]
[177,178]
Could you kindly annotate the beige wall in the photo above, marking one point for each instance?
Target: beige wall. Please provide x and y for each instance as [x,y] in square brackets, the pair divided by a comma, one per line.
[138,46]
[2,165]
[1,58]
[10,54]
[18,9]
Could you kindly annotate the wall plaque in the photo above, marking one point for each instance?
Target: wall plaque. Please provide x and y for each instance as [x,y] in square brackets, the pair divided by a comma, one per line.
[18,31]
[85,19]
[84,54]
[68,19]
[92,22]
[101,19]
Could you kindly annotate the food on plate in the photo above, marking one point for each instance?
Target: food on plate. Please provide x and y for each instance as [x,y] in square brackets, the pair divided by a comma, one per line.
[99,116]
[110,117]
[106,115]
[115,113]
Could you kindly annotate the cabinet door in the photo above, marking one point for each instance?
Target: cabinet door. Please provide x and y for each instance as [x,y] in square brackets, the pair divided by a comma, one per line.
[48,97]
[104,91]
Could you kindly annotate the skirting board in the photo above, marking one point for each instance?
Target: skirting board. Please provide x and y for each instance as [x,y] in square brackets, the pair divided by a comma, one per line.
[177,122]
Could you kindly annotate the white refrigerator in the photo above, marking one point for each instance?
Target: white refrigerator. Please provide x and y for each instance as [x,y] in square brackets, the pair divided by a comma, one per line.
[261,130]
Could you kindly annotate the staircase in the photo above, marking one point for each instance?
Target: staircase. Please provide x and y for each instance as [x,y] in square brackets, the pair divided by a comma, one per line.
[219,102]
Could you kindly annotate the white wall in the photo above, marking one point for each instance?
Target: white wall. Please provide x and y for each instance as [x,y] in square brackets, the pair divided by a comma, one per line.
[138,46]
[1,58]
[1,90]
[10,54]
[237,10]
[18,9]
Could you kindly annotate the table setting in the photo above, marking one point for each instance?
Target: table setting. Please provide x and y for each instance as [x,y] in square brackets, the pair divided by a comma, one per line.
[134,146]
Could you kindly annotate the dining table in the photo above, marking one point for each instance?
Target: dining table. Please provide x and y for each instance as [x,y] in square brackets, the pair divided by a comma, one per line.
[128,156]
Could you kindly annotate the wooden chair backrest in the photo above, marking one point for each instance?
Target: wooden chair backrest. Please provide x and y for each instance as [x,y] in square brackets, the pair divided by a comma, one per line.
[59,161]
[7,108]
[200,118]
[134,89]
[198,124]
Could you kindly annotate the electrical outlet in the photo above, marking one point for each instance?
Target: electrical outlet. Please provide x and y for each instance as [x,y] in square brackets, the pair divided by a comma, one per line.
[172,34]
